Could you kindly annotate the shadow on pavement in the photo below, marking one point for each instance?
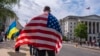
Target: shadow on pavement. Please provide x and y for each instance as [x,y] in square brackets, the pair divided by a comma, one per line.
[25,49]
[16,54]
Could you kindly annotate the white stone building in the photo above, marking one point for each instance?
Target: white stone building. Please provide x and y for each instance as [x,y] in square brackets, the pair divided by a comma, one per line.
[93,25]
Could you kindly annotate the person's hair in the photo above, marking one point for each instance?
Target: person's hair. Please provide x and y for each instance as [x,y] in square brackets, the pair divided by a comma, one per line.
[47,8]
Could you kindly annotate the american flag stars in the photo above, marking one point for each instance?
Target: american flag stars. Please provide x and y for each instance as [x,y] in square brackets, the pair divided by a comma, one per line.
[53,23]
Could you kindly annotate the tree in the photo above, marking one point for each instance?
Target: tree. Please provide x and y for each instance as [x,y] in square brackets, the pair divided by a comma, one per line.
[65,38]
[81,31]
[6,10]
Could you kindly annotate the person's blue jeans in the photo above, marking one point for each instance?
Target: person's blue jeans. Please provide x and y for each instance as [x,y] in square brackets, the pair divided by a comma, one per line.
[43,52]
[31,49]
[99,44]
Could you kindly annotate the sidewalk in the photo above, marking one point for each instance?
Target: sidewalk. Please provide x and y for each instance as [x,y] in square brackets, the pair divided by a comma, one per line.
[7,49]
[83,46]
[91,47]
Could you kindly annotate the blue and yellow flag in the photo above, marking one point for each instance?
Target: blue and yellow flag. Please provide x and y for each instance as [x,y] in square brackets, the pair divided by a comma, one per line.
[11,30]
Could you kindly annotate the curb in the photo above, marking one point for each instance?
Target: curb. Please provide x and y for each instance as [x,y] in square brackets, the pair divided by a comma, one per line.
[83,46]
[89,47]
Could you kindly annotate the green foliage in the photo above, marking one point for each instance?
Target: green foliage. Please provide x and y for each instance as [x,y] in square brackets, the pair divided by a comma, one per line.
[6,8]
[6,11]
[65,38]
[9,2]
[81,30]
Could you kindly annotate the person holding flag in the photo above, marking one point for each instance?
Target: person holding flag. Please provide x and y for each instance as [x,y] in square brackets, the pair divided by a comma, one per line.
[17,34]
[43,32]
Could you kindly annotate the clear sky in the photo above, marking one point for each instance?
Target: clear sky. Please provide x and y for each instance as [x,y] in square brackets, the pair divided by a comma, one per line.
[60,8]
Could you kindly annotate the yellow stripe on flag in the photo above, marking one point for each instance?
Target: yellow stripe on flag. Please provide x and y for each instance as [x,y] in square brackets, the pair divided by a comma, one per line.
[12,31]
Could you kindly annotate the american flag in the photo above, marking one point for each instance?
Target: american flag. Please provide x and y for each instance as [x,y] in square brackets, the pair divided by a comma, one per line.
[43,32]
[88,8]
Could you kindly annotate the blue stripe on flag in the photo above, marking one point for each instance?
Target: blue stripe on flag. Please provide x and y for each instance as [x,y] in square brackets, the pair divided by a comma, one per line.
[13,24]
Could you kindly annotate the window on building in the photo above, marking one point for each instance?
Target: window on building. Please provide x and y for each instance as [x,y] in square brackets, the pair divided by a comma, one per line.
[97,27]
[70,22]
[93,27]
[70,34]
[70,30]
[90,28]
[81,21]
[90,39]
[74,23]
[70,26]
[85,23]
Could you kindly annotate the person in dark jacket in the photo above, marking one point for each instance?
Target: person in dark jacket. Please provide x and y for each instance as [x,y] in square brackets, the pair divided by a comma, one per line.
[17,34]
[31,48]
[1,37]
[43,52]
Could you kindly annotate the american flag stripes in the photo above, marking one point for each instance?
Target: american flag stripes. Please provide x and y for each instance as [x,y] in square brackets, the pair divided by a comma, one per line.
[43,32]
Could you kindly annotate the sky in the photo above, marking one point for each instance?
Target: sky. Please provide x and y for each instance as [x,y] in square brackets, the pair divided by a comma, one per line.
[59,8]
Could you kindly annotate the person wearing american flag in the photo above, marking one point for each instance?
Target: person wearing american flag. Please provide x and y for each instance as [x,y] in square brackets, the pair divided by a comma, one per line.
[43,32]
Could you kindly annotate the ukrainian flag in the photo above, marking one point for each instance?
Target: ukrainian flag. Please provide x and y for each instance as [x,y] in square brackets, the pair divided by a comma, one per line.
[11,30]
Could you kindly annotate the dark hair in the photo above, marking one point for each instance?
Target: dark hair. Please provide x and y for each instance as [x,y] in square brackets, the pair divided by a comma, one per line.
[47,8]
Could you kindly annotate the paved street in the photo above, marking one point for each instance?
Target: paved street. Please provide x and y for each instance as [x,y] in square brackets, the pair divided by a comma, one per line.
[70,50]
[7,49]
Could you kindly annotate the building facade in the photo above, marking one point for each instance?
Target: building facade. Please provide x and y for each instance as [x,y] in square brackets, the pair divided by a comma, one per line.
[69,23]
